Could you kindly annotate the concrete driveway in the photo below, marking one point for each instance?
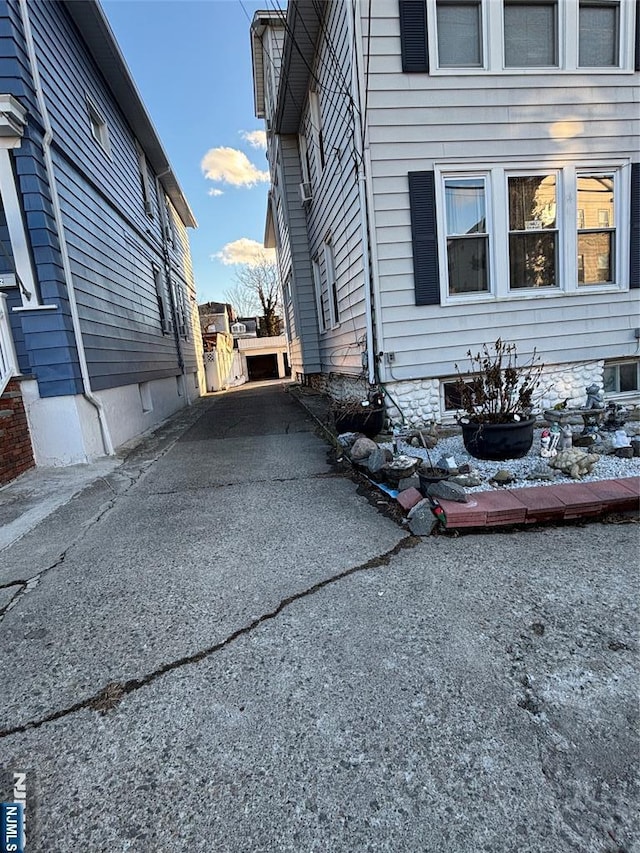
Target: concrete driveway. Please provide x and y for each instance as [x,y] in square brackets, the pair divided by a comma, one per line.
[221,646]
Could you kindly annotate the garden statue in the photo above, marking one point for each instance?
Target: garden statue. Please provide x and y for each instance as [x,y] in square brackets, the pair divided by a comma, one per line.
[595,399]
[566,438]
[549,443]
[615,417]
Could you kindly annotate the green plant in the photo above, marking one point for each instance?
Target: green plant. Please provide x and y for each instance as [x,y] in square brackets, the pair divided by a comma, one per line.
[496,389]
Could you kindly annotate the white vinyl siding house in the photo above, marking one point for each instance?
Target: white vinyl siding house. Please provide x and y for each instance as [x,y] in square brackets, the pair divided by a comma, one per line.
[500,152]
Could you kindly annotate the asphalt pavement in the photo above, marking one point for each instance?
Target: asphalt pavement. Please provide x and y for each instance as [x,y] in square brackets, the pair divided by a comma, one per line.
[219,644]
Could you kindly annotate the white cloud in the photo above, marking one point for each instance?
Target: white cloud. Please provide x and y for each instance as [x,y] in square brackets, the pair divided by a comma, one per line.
[215,193]
[232,167]
[244,251]
[255,138]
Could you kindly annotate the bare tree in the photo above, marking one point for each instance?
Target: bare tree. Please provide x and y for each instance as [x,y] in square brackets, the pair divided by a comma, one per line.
[258,286]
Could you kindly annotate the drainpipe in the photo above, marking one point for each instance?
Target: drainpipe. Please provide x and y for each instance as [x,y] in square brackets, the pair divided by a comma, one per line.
[166,255]
[66,264]
[362,196]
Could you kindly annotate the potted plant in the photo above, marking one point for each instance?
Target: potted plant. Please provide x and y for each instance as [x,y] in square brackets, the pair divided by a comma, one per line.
[355,414]
[496,396]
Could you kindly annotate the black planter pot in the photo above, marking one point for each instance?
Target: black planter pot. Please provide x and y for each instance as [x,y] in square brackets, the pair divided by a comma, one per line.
[498,442]
[369,421]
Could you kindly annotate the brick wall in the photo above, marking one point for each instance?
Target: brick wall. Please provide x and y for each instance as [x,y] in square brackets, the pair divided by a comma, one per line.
[16,453]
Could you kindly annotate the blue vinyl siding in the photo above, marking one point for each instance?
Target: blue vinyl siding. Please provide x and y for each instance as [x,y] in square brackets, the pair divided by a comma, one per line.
[113,245]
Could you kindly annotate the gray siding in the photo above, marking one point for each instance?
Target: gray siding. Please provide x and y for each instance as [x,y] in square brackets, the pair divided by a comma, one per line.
[416,121]
[335,207]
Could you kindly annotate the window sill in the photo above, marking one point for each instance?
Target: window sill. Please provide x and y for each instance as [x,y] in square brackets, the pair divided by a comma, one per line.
[522,295]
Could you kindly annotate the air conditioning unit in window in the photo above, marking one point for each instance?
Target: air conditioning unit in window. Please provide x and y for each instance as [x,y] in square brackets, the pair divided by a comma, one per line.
[306,193]
[167,327]
[148,209]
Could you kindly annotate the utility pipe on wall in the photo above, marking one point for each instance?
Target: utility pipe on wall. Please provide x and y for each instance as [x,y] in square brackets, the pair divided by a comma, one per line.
[362,194]
[57,212]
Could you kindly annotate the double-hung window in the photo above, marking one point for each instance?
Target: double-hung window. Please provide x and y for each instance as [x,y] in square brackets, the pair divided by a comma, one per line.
[530,34]
[533,234]
[459,27]
[467,234]
[598,33]
[596,229]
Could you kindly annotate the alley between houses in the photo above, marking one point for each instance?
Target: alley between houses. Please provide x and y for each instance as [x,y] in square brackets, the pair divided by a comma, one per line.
[221,645]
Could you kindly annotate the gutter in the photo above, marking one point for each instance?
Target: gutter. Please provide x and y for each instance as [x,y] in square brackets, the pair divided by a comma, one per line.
[57,212]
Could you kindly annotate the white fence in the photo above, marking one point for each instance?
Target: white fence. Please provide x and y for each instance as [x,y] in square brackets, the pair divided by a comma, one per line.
[8,360]
[223,369]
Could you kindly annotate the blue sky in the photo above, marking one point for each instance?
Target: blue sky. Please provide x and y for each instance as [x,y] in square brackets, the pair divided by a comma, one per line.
[191,61]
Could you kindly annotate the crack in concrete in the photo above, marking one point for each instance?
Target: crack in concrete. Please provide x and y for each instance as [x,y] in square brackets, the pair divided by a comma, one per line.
[328,475]
[113,693]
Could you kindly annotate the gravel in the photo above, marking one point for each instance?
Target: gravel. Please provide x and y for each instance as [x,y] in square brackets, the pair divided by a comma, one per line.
[607,468]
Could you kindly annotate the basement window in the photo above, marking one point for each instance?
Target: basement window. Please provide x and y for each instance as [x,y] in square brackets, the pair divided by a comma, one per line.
[622,377]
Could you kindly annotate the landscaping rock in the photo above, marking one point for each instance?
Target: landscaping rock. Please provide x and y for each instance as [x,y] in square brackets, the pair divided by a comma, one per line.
[584,440]
[467,481]
[624,452]
[448,463]
[362,449]
[635,444]
[447,491]
[503,477]
[378,459]
[348,439]
[423,522]
[409,483]
[576,463]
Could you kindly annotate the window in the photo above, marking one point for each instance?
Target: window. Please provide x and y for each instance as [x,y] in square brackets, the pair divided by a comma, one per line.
[476,36]
[161,295]
[332,287]
[598,36]
[144,182]
[98,126]
[316,128]
[451,400]
[305,164]
[621,377]
[596,234]
[168,226]
[533,237]
[467,235]
[459,27]
[530,34]
[317,286]
[502,232]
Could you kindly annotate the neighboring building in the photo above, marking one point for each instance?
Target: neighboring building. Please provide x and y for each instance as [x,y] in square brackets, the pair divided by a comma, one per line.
[445,173]
[95,267]
[215,318]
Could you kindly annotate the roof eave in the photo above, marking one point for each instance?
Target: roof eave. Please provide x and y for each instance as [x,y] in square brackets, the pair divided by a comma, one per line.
[95,30]
[303,27]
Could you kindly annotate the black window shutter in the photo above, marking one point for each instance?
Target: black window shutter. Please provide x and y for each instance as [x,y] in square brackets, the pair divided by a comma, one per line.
[424,235]
[413,35]
[634,247]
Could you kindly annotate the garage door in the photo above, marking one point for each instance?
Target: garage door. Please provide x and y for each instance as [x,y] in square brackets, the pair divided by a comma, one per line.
[262,367]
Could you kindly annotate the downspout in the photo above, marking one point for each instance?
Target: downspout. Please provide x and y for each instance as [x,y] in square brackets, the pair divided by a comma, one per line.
[66,264]
[372,365]
[166,255]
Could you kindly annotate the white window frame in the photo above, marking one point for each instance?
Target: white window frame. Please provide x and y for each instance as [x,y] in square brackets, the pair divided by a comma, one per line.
[622,395]
[98,126]
[496,181]
[492,40]
[147,198]
[332,284]
[317,288]
[315,118]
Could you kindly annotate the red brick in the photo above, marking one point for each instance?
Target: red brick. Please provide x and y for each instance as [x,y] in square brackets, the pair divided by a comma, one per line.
[409,498]
[540,502]
[578,499]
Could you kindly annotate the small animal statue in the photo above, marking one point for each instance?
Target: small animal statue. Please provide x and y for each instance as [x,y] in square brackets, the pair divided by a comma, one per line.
[566,438]
[595,399]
